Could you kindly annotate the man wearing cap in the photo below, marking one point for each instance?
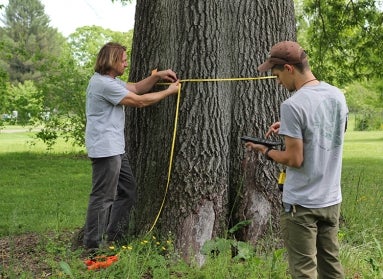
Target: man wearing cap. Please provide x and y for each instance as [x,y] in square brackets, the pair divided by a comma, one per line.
[313,121]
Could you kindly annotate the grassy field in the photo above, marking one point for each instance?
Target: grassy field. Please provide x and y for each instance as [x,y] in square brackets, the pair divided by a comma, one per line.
[40,190]
[44,197]
[361,232]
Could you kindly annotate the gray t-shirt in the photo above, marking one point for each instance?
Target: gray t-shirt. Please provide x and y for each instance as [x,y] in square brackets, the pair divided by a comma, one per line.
[104,134]
[317,115]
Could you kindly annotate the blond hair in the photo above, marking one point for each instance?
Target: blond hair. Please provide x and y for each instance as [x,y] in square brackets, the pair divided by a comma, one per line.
[110,54]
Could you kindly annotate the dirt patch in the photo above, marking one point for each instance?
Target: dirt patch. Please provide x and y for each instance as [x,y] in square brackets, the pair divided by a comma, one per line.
[23,253]
[26,253]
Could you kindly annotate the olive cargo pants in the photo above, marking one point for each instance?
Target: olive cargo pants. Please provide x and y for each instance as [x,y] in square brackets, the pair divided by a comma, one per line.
[311,239]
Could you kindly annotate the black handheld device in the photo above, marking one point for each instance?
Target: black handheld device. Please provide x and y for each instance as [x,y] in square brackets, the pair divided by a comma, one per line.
[268,143]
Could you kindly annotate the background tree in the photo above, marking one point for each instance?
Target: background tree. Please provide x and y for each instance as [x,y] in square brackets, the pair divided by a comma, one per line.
[29,53]
[3,73]
[30,42]
[343,38]
[215,183]
[86,41]
[3,96]
[60,68]
[26,100]
[365,102]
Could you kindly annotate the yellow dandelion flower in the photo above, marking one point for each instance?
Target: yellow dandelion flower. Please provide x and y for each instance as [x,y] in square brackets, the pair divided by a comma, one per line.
[341,235]
[158,243]
[111,247]
[124,247]
[130,248]
[163,248]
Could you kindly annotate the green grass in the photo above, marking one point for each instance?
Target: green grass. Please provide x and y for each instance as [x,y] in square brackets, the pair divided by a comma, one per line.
[42,192]
[361,231]
[362,178]
[21,139]
[47,192]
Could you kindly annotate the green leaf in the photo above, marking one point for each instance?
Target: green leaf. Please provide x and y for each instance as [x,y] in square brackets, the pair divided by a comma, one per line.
[66,268]
[245,250]
[216,246]
[239,226]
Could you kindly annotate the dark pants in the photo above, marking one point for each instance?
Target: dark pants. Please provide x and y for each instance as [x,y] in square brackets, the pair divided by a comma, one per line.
[111,200]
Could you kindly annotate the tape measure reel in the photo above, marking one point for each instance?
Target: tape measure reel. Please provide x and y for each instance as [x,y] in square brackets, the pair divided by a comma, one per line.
[281,179]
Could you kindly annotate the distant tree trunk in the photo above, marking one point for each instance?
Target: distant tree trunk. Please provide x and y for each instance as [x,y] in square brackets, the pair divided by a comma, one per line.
[215,183]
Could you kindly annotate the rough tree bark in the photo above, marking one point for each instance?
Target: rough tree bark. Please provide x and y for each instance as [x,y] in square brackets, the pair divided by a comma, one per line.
[215,183]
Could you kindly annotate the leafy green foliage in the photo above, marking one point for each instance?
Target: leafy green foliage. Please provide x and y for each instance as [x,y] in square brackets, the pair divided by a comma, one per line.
[4,101]
[365,100]
[216,246]
[239,250]
[26,100]
[29,42]
[66,268]
[342,37]
[86,41]
[49,133]
[59,69]
[239,226]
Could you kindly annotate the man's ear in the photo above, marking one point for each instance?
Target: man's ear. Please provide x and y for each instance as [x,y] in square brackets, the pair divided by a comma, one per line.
[289,68]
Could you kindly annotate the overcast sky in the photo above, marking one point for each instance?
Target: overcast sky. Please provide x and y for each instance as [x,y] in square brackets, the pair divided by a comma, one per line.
[67,15]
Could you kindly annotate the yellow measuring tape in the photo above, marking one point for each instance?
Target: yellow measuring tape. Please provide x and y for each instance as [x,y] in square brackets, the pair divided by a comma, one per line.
[175,127]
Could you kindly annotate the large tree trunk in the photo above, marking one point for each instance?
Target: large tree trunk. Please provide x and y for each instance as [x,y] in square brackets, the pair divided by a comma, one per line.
[215,183]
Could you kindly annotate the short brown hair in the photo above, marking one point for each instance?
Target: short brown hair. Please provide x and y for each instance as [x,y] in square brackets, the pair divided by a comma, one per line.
[301,67]
[110,54]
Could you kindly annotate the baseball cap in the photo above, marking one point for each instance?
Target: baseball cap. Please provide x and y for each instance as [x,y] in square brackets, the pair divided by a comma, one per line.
[286,52]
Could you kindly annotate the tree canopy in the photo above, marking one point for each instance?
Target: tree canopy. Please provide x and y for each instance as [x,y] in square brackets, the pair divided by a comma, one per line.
[59,69]
[342,37]
[29,42]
